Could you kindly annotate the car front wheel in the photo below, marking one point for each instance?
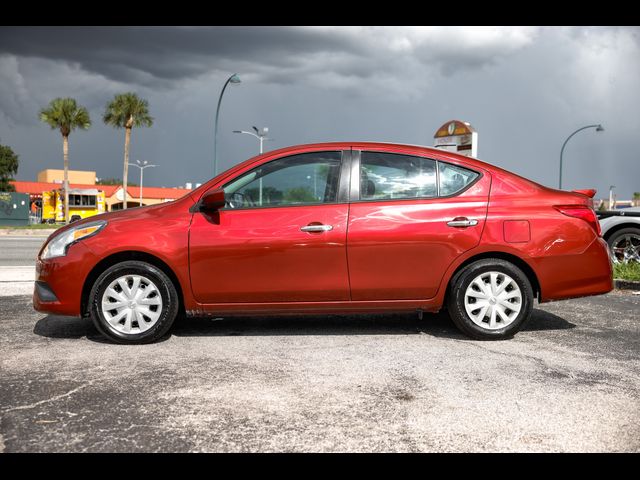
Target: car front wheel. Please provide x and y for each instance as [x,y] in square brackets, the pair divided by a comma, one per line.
[133,302]
[490,299]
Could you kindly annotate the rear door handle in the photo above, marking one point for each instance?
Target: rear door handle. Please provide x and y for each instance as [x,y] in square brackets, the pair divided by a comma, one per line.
[462,222]
[316,228]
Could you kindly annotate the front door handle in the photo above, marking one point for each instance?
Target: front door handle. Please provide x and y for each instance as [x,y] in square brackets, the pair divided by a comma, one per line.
[462,222]
[316,228]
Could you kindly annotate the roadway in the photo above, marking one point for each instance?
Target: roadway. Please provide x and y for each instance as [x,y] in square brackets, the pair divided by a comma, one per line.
[19,250]
[17,263]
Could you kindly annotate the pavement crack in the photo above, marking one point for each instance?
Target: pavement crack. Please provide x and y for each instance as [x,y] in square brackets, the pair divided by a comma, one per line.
[52,399]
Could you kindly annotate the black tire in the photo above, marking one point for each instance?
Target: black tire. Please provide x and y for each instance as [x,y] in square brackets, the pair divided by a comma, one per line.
[166,289]
[635,232]
[456,299]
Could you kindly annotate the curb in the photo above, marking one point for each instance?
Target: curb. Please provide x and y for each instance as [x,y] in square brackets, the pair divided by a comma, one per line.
[626,284]
[19,232]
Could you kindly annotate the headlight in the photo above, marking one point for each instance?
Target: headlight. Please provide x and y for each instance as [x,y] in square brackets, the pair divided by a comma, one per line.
[59,244]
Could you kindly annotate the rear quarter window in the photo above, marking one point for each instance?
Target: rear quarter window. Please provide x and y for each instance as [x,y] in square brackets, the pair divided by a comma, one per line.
[454,179]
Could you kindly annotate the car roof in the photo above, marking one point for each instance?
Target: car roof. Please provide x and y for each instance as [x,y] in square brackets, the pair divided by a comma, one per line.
[409,148]
[387,145]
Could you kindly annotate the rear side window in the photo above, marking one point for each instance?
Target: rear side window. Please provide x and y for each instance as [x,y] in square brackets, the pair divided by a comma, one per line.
[392,176]
[454,178]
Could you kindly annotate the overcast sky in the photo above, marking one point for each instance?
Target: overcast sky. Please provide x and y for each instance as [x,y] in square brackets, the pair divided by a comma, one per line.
[524,89]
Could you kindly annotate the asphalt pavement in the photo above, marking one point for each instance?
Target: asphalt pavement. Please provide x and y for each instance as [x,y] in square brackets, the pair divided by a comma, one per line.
[570,381]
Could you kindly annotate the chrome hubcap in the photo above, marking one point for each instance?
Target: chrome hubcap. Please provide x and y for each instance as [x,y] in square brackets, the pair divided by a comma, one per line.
[626,249]
[493,300]
[131,304]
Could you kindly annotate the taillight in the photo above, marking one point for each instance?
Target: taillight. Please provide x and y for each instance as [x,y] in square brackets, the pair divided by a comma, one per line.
[583,213]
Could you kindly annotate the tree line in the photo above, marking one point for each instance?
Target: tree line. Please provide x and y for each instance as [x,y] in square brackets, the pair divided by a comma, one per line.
[8,168]
[126,110]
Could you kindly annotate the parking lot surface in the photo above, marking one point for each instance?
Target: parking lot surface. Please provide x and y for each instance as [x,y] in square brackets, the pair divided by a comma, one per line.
[569,382]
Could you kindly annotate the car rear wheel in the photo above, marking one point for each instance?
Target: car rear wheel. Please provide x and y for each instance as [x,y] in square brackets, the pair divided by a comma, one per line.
[490,299]
[625,245]
[133,302]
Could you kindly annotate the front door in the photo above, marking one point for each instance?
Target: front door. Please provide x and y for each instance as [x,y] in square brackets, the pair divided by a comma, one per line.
[281,237]
[411,219]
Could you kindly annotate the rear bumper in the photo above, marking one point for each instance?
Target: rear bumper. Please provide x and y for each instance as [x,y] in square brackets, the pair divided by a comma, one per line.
[581,275]
[59,281]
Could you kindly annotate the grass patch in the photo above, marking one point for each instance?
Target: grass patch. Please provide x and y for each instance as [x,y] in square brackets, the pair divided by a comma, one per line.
[35,226]
[627,271]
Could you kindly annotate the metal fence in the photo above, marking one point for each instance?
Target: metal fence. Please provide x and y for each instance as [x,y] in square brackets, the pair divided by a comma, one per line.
[35,216]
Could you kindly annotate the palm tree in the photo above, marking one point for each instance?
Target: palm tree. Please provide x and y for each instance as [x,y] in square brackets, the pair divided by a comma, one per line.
[127,110]
[66,115]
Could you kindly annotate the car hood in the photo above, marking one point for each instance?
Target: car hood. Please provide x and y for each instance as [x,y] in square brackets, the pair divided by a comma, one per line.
[130,214]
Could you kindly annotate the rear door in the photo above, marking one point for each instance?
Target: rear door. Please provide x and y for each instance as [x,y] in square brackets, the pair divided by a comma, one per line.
[410,218]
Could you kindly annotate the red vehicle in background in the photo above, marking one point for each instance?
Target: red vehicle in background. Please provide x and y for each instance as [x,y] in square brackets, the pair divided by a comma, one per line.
[332,228]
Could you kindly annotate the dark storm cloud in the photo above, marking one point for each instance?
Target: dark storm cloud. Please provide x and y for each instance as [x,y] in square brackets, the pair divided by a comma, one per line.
[524,88]
[161,56]
[148,55]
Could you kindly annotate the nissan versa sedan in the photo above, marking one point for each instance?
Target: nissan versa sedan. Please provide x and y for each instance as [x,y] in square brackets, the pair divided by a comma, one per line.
[332,228]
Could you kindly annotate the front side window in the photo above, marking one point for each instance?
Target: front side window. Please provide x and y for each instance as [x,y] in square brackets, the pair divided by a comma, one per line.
[305,179]
[393,176]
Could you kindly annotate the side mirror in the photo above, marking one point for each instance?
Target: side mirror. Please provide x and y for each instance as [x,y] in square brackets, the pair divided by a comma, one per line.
[213,200]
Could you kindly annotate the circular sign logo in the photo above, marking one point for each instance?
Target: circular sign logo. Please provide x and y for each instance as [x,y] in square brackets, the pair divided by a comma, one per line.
[451,128]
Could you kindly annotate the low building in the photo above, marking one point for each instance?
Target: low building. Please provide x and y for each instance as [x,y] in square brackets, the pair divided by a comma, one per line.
[150,196]
[605,204]
[51,175]
[113,194]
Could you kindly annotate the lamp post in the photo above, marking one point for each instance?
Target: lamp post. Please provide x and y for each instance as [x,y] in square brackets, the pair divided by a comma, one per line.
[235,80]
[315,185]
[261,134]
[598,127]
[611,205]
[141,166]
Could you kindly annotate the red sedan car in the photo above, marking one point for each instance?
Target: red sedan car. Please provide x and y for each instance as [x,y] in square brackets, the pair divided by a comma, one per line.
[332,228]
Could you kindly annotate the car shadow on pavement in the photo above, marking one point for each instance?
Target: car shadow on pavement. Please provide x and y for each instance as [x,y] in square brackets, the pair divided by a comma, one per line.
[57,326]
[543,320]
[437,325]
[390,324]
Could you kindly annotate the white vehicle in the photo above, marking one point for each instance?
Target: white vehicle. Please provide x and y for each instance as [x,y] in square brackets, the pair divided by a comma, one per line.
[621,230]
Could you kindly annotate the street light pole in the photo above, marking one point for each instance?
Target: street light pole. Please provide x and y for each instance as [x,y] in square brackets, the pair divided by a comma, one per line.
[611,187]
[141,166]
[235,80]
[260,134]
[598,127]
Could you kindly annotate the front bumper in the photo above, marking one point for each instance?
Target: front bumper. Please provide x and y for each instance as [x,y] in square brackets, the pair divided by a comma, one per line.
[59,281]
